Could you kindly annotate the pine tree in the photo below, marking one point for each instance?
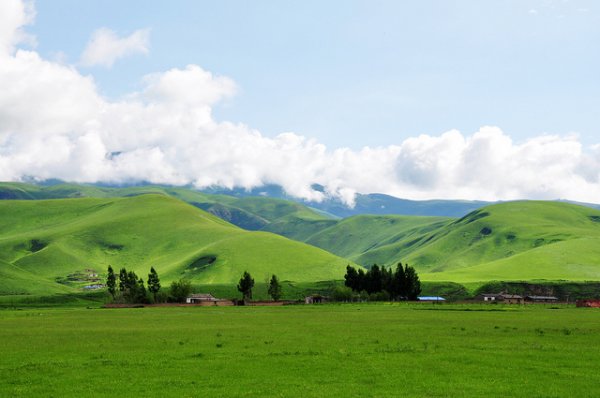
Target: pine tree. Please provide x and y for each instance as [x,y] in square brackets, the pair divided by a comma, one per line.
[140,292]
[111,282]
[153,283]
[245,286]
[274,288]
[413,283]
[122,280]
[399,290]
[351,278]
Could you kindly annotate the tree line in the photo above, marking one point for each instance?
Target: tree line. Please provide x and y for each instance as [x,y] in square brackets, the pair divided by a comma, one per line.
[127,287]
[383,283]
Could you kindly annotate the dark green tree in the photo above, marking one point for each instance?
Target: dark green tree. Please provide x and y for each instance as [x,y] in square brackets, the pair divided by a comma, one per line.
[180,290]
[373,279]
[274,288]
[122,280]
[153,283]
[399,285]
[141,296]
[361,280]
[245,286]
[351,278]
[413,283]
[111,282]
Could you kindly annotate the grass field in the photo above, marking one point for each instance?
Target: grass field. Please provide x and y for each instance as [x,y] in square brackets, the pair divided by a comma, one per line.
[384,350]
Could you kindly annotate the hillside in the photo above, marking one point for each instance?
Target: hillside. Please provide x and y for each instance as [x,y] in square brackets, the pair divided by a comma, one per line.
[528,240]
[355,236]
[251,213]
[525,240]
[50,245]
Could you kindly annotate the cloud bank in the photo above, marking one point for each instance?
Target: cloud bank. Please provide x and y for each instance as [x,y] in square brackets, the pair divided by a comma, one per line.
[55,124]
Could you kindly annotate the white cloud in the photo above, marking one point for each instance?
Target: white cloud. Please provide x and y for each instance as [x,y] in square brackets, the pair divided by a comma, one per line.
[105,47]
[54,124]
[14,16]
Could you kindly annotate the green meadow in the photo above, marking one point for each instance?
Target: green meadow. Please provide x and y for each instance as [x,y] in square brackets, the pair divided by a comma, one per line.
[382,350]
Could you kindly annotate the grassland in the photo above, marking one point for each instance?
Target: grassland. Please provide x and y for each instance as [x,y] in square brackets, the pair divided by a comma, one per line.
[514,241]
[302,351]
[46,245]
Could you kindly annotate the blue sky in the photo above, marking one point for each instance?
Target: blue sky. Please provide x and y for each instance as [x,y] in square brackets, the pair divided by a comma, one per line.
[490,100]
[362,73]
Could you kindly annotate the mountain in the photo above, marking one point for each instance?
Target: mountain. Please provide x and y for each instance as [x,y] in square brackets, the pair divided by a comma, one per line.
[55,246]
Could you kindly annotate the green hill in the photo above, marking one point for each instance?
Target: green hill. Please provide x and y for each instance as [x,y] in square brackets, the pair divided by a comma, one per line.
[53,246]
[251,213]
[514,241]
[524,240]
[356,236]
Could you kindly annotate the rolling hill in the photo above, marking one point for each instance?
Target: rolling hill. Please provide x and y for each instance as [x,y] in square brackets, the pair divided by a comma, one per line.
[513,241]
[53,246]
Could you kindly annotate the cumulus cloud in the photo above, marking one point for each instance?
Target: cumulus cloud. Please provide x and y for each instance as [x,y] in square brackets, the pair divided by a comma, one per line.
[54,124]
[14,16]
[105,47]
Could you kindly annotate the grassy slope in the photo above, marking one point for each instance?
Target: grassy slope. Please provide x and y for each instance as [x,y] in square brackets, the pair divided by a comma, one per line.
[139,232]
[355,236]
[253,213]
[515,241]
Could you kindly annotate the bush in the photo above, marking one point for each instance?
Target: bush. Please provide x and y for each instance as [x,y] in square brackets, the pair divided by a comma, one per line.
[180,290]
[342,293]
[379,296]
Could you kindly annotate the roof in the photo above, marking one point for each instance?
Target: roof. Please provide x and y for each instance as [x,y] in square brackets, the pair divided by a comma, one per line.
[203,296]
[542,297]
[510,296]
[490,294]
[431,298]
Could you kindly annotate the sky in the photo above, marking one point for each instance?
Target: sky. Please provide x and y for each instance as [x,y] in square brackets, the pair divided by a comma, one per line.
[491,100]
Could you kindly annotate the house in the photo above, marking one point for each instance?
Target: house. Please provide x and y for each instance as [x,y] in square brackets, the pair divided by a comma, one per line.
[431,299]
[541,299]
[501,298]
[489,297]
[511,299]
[315,299]
[594,303]
[207,299]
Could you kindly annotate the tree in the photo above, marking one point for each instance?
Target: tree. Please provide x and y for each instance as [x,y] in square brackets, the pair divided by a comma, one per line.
[351,278]
[413,283]
[122,280]
[111,282]
[180,290]
[153,283]
[245,286]
[399,286]
[274,288]
[141,296]
[373,279]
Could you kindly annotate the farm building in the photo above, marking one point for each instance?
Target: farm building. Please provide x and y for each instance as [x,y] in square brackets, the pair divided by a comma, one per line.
[511,299]
[541,299]
[595,303]
[315,299]
[206,299]
[431,299]
[200,298]
[488,297]
[501,298]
